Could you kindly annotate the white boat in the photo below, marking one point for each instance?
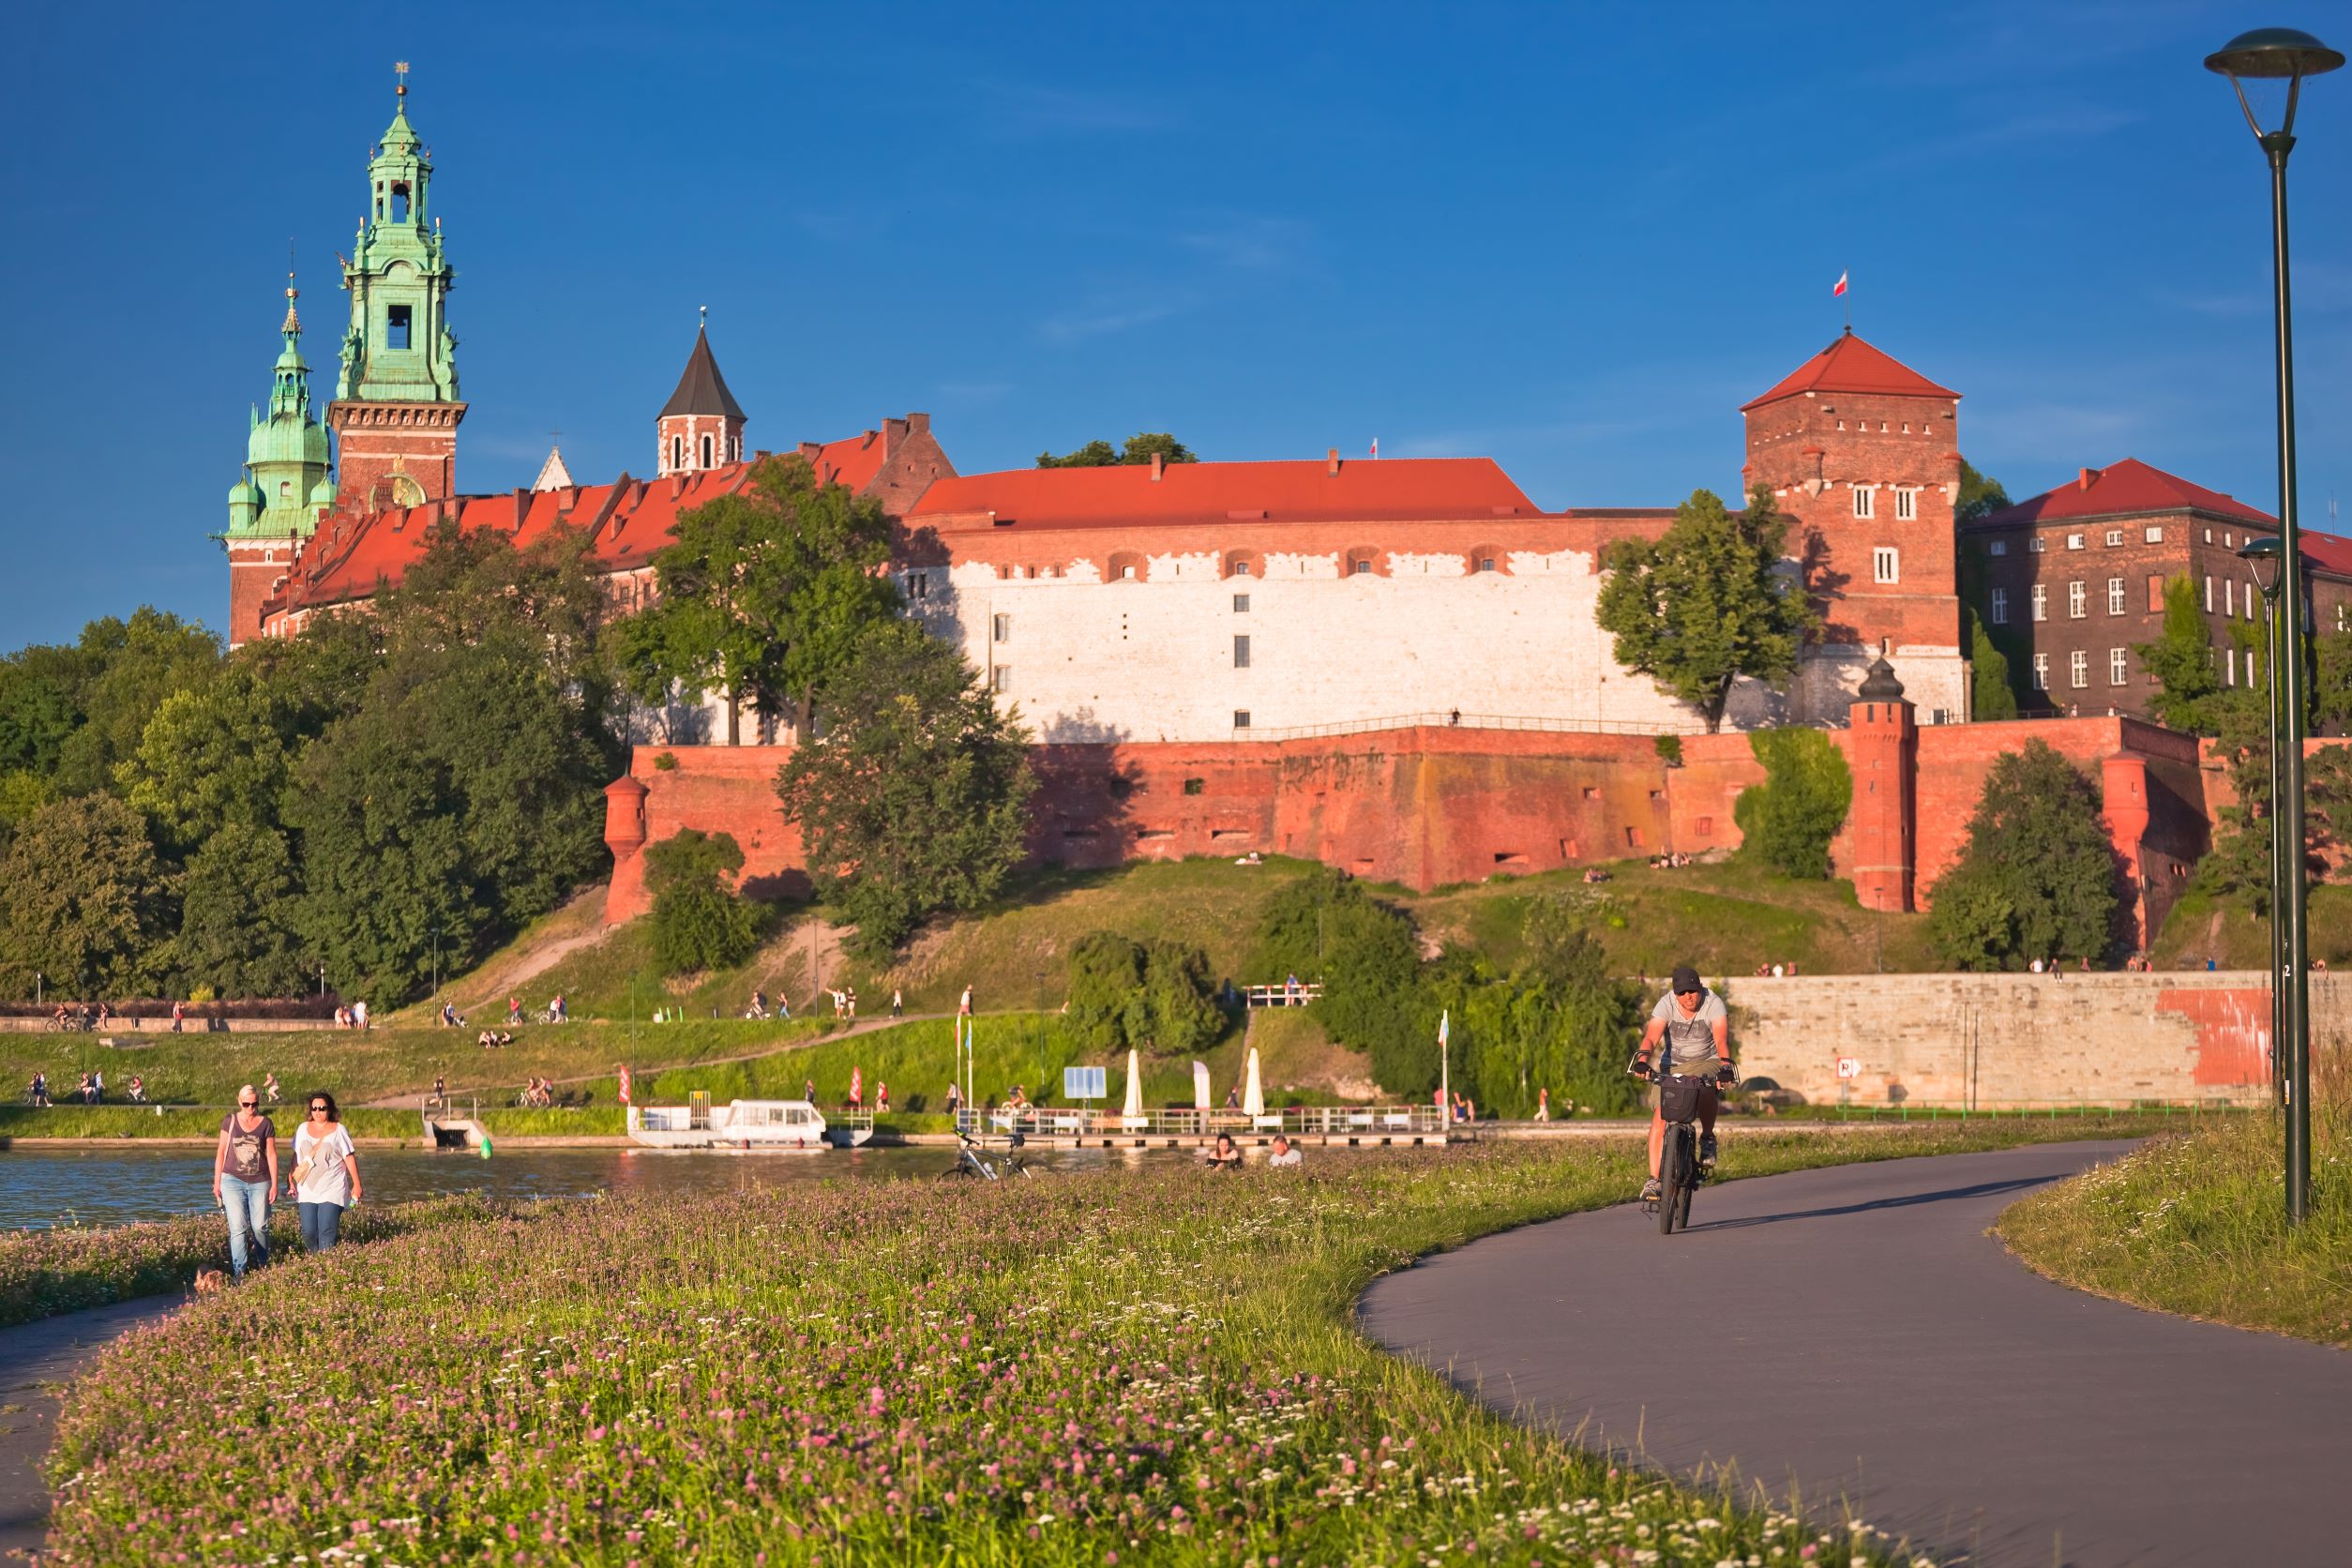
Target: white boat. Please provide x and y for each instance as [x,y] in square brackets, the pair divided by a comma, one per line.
[740,1124]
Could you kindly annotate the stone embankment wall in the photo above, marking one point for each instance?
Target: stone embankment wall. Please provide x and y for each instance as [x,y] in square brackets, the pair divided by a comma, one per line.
[1987,1041]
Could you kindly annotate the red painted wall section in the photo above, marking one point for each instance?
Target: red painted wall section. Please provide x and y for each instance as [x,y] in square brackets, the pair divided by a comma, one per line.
[2233,1033]
[717,789]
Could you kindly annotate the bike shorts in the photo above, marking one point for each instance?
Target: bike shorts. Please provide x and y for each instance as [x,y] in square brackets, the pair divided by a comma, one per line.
[1679,1099]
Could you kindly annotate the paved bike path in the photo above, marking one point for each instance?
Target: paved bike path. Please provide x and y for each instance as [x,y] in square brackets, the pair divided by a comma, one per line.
[36,1359]
[1852,1332]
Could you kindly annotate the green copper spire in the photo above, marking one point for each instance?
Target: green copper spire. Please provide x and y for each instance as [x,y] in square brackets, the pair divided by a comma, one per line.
[399,347]
[285,481]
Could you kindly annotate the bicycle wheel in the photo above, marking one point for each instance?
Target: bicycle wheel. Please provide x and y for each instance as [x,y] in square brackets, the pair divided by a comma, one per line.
[1690,1183]
[1669,1179]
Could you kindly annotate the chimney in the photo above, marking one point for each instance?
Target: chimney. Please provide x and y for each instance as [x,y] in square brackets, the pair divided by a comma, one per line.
[811,450]
[1331,463]
[2088,475]
[1160,466]
[918,423]
[894,431]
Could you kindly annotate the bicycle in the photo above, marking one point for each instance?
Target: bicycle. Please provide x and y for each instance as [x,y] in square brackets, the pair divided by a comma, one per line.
[971,1166]
[1679,1173]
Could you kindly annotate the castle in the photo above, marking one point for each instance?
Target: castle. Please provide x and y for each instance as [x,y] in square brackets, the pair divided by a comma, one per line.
[1391,665]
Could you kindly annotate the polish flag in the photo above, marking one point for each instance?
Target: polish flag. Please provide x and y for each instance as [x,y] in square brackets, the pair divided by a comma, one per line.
[1841,286]
[625,1084]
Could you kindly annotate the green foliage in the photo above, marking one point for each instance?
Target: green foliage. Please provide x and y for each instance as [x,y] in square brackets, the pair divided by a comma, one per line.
[1788,820]
[1556,1019]
[23,792]
[2331,683]
[224,752]
[2038,877]
[239,910]
[764,596]
[1324,926]
[699,921]
[1707,603]
[1140,448]
[36,714]
[1978,496]
[1993,697]
[1150,996]
[2181,660]
[82,901]
[135,666]
[913,800]
[1670,750]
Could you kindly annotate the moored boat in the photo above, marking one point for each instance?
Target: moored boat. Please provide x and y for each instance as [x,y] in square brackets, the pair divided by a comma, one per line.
[738,1124]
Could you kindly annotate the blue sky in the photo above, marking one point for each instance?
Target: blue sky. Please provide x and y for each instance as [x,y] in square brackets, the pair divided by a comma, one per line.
[1572,237]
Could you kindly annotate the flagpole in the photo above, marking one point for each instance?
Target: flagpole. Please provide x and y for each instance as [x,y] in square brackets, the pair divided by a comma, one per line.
[1445,1076]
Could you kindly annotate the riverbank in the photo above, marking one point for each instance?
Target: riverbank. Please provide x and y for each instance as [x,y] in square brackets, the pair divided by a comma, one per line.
[1157,1364]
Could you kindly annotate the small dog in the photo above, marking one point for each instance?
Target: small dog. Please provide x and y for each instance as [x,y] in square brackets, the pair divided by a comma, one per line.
[210,1282]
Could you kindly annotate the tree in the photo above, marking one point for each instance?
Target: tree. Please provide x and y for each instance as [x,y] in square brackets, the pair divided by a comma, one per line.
[2181,660]
[764,595]
[699,921]
[914,799]
[1140,448]
[84,901]
[1993,698]
[239,916]
[1707,603]
[134,667]
[1324,926]
[2332,685]
[221,753]
[1788,820]
[1979,497]
[37,714]
[2038,877]
[1140,995]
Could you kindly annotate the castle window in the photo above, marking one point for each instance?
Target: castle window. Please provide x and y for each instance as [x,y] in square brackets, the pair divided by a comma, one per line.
[2115,595]
[2114,537]
[1241,604]
[2229,596]
[2229,666]
[2209,535]
[2040,672]
[2001,606]
[734,448]
[1885,565]
[2073,541]
[918,585]
[1240,719]
[1239,565]
[396,326]
[1241,653]
[1002,628]
[2209,583]
[677,451]
[2153,534]
[707,451]
[2077,599]
[1195,786]
[1865,501]
[1485,562]
[1997,547]
[2041,601]
[2037,543]
[1360,566]
[1126,574]
[2119,666]
[1000,679]
[1905,505]
[2078,667]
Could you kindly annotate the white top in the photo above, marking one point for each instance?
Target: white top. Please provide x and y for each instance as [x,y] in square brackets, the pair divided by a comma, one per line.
[327,1181]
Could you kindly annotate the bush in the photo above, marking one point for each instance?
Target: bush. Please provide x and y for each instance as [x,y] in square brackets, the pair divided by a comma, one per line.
[699,922]
[1788,820]
[1324,926]
[1558,1020]
[1147,996]
[2038,877]
[1670,750]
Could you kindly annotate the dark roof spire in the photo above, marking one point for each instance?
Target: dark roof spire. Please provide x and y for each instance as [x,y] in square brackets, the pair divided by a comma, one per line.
[702,389]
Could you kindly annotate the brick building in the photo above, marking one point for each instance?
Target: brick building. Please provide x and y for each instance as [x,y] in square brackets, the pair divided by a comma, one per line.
[2070,581]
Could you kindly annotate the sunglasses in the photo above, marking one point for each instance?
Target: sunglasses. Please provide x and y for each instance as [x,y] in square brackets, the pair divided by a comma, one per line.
[318,1110]
[248,1105]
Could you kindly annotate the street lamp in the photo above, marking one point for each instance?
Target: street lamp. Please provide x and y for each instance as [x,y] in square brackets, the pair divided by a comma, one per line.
[2282,53]
[2263,559]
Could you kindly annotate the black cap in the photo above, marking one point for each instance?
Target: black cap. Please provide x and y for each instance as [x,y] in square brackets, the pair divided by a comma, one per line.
[1687,981]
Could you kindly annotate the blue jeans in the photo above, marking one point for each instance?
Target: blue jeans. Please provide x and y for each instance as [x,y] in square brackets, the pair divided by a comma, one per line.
[248,1203]
[322,1226]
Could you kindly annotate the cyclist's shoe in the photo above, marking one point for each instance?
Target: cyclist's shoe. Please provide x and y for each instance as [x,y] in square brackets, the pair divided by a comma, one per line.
[1649,1190]
[1707,1149]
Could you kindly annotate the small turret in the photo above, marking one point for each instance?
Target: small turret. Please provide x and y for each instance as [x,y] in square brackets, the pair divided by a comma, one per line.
[701,426]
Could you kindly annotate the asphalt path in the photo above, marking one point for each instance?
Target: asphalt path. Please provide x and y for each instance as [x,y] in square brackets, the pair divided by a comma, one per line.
[36,1359]
[1870,1348]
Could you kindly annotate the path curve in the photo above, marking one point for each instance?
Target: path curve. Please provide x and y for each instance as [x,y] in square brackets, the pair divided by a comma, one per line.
[1875,1344]
[36,1359]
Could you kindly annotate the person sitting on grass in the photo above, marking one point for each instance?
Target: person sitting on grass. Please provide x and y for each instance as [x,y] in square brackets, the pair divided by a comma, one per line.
[1286,1155]
[1224,1155]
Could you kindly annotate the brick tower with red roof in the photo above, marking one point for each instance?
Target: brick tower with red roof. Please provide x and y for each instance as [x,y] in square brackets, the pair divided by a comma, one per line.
[701,426]
[1863,453]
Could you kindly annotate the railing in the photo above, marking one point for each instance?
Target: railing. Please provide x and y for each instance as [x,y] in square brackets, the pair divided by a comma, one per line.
[1297,995]
[1455,719]
[1297,1121]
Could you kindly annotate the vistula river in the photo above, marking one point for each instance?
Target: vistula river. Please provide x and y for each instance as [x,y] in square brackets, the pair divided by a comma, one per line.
[110,1184]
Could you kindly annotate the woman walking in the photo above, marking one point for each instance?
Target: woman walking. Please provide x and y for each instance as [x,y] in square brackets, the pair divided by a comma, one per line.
[325,1179]
[244,1177]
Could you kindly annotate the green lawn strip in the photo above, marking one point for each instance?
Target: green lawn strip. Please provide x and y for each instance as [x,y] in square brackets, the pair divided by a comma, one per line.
[66,1268]
[2202,924]
[1150,1365]
[2196,1224]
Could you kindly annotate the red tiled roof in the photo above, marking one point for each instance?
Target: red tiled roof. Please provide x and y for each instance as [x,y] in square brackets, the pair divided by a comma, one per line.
[2329,552]
[1852,365]
[854,462]
[2124,488]
[1361,491]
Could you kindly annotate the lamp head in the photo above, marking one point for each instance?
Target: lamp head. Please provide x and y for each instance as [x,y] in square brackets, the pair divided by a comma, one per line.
[2265,557]
[2274,52]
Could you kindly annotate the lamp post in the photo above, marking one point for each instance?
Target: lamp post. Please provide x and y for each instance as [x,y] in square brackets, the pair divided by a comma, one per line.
[2263,559]
[2282,54]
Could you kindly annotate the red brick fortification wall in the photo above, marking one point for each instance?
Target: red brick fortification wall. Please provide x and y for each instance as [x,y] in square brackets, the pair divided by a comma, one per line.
[717,789]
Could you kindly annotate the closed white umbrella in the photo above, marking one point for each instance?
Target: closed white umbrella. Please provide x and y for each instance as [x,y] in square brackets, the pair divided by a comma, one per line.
[1200,1086]
[1134,1111]
[1253,1091]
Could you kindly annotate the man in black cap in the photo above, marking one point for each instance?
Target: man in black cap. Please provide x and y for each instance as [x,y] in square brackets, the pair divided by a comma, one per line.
[1696,1029]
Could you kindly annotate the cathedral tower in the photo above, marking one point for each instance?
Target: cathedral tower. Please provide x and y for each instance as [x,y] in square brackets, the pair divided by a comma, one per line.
[702,425]
[396,408]
[285,489]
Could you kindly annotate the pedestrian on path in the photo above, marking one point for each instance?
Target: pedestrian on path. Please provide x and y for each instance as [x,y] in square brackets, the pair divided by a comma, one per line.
[882,1098]
[897,1002]
[325,1179]
[244,1175]
[1543,1105]
[963,1008]
[179,1015]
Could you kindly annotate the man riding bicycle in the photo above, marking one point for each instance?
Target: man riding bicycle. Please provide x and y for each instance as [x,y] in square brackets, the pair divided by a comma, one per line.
[1696,1028]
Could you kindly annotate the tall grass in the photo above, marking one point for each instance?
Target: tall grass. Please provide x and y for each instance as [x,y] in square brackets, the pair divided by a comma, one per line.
[2195,1223]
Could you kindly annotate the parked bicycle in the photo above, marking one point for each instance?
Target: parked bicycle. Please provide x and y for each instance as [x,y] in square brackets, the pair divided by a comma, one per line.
[971,1163]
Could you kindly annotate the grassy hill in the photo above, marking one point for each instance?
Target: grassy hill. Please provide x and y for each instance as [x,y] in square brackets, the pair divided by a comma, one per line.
[2228,930]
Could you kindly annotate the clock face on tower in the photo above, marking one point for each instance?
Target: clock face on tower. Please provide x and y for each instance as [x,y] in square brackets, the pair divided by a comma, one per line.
[406,491]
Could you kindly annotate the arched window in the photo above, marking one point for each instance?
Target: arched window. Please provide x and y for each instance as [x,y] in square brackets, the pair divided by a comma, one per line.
[1363,560]
[1242,563]
[677,451]
[707,451]
[1125,566]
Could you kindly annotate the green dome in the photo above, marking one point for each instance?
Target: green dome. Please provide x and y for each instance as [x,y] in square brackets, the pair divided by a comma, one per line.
[245,492]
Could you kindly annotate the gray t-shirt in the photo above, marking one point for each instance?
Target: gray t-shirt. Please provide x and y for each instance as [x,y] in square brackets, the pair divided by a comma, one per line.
[1690,1042]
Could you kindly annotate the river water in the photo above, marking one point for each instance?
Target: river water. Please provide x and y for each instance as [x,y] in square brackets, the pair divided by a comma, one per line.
[113,1185]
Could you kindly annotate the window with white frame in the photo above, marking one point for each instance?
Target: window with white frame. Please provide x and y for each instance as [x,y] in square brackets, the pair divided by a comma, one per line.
[1885,565]
[1865,501]
[2119,666]
[2115,595]
[2036,546]
[2154,534]
[2077,599]
[1241,653]
[1905,505]
[1000,678]
[2229,596]
[1002,630]
[1997,547]
[2041,601]
[2001,606]
[2229,666]
[2073,541]
[2040,672]
[2250,599]
[2114,537]
[2208,589]
[2078,667]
